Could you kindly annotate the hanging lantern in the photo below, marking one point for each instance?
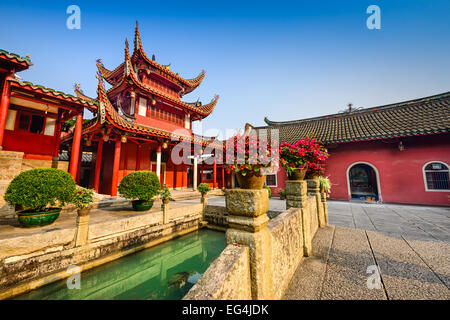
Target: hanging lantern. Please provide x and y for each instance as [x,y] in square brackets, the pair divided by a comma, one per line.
[105,137]
[164,145]
[123,139]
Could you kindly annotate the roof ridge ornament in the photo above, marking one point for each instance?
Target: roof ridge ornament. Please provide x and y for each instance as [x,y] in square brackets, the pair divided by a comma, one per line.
[127,51]
[137,38]
[77,87]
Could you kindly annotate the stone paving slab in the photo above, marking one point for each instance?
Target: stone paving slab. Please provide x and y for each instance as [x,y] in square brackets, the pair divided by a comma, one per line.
[306,284]
[409,268]
[405,275]
[346,276]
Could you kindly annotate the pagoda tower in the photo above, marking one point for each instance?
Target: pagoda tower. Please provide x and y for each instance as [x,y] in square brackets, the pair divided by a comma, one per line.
[135,123]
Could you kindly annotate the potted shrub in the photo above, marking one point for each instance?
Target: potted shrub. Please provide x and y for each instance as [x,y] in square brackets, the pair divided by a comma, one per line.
[82,199]
[268,191]
[325,184]
[40,193]
[140,187]
[297,157]
[250,159]
[314,170]
[282,194]
[203,188]
[165,195]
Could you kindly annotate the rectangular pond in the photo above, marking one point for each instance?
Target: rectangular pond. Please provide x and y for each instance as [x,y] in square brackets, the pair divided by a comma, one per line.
[164,272]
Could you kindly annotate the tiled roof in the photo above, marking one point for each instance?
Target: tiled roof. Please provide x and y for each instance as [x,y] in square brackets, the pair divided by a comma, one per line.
[107,113]
[129,73]
[188,85]
[14,56]
[415,117]
[91,104]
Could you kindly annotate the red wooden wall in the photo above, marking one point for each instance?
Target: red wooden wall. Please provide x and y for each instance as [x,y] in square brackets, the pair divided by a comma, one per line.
[400,172]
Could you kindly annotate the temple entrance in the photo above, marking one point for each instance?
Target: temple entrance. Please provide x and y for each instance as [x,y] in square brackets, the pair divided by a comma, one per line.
[363,183]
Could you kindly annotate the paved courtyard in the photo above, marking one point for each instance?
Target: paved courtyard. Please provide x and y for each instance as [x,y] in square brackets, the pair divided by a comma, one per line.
[410,246]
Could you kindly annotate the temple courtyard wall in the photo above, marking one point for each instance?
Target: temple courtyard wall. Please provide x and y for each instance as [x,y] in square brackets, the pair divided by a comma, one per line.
[31,258]
[262,254]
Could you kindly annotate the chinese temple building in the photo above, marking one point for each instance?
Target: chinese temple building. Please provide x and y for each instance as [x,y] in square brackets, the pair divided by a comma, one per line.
[397,153]
[30,120]
[136,124]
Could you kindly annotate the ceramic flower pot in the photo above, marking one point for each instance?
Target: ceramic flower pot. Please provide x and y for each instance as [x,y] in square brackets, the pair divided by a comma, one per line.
[298,174]
[311,176]
[251,181]
[142,205]
[31,218]
[83,212]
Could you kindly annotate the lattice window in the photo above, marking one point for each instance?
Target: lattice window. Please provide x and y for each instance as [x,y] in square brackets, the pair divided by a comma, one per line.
[437,177]
[271,180]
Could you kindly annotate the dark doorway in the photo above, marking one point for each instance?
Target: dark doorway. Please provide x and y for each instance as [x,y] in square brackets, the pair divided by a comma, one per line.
[363,183]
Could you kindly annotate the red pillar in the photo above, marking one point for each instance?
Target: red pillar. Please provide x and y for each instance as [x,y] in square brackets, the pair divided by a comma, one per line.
[57,137]
[4,104]
[125,163]
[80,158]
[76,145]
[223,177]
[98,165]
[215,175]
[115,176]
[175,172]
[138,158]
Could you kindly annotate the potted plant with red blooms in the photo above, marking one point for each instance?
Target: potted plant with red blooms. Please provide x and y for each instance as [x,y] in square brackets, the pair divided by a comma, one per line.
[315,170]
[297,157]
[249,160]
[316,162]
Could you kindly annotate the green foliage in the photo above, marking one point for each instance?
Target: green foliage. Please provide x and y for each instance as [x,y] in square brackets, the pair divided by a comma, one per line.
[325,184]
[269,191]
[203,188]
[165,194]
[282,192]
[38,188]
[140,185]
[82,198]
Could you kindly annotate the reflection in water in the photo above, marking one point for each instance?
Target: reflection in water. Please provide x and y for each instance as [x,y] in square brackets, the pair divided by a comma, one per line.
[166,271]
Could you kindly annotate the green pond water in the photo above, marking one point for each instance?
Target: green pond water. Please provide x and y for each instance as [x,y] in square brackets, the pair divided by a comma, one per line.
[166,271]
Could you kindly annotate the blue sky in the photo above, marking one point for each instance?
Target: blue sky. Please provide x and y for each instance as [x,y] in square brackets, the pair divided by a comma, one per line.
[282,59]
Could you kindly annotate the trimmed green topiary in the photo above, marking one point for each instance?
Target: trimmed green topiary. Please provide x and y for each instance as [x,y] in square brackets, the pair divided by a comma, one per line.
[140,185]
[203,188]
[269,191]
[37,188]
[82,198]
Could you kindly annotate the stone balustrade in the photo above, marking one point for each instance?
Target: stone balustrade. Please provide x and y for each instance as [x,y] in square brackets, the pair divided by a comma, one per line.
[275,247]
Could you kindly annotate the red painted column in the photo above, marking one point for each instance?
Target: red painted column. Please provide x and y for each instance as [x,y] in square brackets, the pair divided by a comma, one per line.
[175,172]
[98,165]
[4,104]
[76,146]
[138,158]
[115,176]
[223,177]
[125,164]
[57,137]
[215,175]
[80,158]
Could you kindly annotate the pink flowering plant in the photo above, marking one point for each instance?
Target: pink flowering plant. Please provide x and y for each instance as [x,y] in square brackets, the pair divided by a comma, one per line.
[304,153]
[249,155]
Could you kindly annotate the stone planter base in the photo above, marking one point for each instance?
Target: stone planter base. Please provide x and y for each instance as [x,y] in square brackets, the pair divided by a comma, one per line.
[251,181]
[142,205]
[29,219]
